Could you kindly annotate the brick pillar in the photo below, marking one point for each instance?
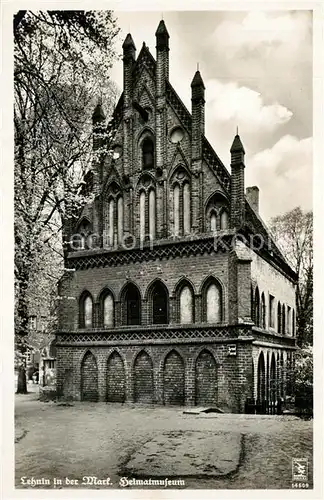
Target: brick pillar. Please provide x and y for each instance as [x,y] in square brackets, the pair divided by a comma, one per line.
[237,183]
[197,132]
[162,75]
[102,376]
[129,51]
[98,146]
[190,383]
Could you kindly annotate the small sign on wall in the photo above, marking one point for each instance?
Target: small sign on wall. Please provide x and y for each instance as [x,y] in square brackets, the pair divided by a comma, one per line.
[231,350]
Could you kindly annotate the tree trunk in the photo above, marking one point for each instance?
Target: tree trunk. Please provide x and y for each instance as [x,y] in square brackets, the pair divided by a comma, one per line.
[22,383]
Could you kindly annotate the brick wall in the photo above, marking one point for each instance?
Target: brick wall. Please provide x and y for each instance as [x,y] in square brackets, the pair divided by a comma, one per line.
[186,374]
[195,268]
[271,281]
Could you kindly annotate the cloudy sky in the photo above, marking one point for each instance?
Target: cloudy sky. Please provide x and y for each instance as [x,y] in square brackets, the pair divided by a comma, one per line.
[257,70]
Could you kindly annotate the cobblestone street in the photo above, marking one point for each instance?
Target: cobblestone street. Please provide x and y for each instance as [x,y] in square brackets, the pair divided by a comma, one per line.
[105,440]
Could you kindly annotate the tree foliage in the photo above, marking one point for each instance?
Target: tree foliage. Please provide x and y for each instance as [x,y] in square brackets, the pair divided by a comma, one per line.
[62,61]
[294,232]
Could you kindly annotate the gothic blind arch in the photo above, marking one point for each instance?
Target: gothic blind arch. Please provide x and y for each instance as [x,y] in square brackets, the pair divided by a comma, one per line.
[217,212]
[180,201]
[84,230]
[113,214]
[145,212]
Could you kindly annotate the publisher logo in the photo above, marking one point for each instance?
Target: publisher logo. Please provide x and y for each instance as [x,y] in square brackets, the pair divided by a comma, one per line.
[299,469]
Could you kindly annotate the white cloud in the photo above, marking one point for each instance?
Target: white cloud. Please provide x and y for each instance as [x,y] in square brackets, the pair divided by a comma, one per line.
[282,30]
[283,174]
[244,107]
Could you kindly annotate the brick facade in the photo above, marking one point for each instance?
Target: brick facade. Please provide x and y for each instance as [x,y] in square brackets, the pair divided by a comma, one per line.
[145,355]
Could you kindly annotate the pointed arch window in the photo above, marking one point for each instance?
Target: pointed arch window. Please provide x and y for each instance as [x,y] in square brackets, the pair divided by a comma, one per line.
[186,208]
[176,209]
[213,303]
[142,215]
[224,220]
[148,153]
[217,212]
[213,222]
[86,311]
[111,222]
[113,212]
[132,305]
[186,305]
[160,305]
[152,213]
[120,217]
[107,310]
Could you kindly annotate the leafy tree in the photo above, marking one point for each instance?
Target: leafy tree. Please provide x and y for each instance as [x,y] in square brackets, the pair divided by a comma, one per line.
[62,62]
[294,232]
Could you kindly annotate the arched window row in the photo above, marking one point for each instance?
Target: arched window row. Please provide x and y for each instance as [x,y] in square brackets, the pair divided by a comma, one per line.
[282,319]
[158,305]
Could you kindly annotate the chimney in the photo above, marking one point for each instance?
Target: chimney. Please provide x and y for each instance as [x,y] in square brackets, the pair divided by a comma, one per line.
[237,183]
[252,194]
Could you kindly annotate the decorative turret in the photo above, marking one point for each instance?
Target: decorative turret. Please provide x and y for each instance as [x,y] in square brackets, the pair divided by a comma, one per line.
[129,56]
[197,87]
[237,183]
[98,123]
[162,37]
[129,48]
[198,114]
[162,57]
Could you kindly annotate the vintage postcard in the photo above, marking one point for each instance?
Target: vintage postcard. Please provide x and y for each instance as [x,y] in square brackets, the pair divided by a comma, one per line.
[162,165]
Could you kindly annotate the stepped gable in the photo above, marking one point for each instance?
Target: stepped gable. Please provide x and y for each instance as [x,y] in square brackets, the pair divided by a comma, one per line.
[254,223]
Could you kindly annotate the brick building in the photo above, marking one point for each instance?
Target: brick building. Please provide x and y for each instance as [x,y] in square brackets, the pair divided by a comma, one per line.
[177,293]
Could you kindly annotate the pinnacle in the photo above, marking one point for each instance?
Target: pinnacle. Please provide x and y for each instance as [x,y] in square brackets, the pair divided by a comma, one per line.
[129,42]
[197,80]
[237,145]
[161,30]
[98,114]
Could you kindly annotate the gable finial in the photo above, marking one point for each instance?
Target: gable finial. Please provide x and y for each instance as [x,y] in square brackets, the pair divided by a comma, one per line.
[197,66]
[237,130]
